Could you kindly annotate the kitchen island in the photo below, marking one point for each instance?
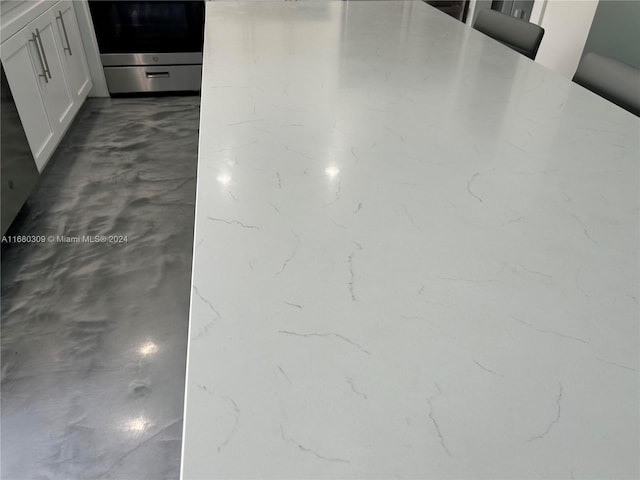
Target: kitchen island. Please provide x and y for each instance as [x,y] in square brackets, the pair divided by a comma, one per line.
[415,256]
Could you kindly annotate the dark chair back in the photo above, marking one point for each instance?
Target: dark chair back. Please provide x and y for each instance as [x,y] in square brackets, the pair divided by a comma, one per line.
[616,81]
[521,36]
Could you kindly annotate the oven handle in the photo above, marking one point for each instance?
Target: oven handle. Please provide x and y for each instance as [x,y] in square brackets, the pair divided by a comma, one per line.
[157,74]
[64,30]
[44,70]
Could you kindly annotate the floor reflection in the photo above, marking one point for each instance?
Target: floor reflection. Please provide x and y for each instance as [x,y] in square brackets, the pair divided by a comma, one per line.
[94,333]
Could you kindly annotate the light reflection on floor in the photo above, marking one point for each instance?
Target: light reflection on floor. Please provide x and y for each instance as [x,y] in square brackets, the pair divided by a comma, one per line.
[94,334]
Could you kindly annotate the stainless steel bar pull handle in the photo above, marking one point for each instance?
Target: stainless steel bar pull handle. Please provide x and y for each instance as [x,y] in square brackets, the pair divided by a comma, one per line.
[44,54]
[157,74]
[44,71]
[64,30]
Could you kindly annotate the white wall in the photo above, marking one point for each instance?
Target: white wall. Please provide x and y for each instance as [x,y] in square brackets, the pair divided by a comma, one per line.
[537,11]
[566,24]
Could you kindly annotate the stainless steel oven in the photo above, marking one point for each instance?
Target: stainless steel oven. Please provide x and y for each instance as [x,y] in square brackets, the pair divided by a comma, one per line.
[150,46]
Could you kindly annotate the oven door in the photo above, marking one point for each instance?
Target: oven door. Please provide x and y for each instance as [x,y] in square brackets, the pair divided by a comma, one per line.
[149,32]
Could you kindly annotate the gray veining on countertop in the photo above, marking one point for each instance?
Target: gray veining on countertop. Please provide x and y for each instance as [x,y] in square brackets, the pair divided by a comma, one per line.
[418,255]
[94,334]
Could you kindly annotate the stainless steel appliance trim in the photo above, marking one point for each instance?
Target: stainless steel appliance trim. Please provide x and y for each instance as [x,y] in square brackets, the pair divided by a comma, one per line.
[64,30]
[44,54]
[164,78]
[44,70]
[137,59]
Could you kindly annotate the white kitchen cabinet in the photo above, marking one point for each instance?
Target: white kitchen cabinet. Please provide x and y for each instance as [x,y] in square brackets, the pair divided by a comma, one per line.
[55,91]
[48,75]
[24,74]
[72,53]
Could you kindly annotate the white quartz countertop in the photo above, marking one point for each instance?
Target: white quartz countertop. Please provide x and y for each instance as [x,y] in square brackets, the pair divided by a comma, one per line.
[416,255]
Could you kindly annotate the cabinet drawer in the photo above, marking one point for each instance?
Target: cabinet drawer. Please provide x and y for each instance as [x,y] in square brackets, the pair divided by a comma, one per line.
[157,78]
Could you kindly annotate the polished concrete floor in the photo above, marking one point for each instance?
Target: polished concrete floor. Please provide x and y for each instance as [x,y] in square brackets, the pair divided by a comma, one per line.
[94,334]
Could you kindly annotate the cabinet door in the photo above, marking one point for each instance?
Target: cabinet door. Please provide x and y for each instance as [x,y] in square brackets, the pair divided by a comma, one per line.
[57,97]
[71,50]
[22,69]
